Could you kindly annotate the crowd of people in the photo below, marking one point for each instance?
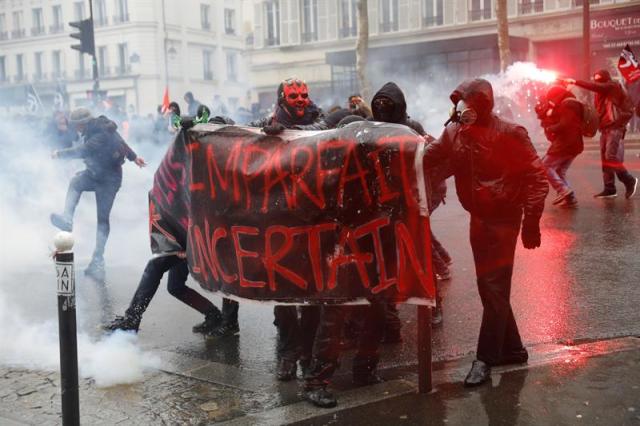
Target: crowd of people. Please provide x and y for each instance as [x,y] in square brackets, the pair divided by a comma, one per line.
[499,180]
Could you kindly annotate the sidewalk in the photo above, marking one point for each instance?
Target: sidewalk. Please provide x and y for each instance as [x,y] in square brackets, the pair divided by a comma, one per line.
[595,383]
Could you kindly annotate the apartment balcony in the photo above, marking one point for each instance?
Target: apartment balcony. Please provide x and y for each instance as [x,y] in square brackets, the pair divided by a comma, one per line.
[530,7]
[4,35]
[36,31]
[21,33]
[208,75]
[432,21]
[480,14]
[40,76]
[387,27]
[309,37]
[123,70]
[346,32]
[56,28]
[121,19]
[100,22]
[229,31]
[20,78]
[205,26]
[272,41]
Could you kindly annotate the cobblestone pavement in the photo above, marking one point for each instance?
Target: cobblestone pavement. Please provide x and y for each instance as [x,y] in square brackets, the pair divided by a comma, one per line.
[33,397]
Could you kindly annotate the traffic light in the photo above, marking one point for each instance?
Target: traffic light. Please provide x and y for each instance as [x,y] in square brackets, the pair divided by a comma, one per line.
[85,35]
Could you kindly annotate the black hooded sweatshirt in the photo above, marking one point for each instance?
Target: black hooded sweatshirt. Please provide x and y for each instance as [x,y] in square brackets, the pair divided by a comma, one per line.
[609,100]
[399,116]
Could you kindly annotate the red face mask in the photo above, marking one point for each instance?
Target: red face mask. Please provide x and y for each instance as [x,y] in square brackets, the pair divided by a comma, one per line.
[296,96]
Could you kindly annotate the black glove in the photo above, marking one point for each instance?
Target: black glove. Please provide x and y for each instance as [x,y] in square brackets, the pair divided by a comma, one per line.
[531,233]
[273,129]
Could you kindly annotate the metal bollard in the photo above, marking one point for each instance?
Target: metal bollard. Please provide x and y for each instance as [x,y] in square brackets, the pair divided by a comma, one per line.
[67,329]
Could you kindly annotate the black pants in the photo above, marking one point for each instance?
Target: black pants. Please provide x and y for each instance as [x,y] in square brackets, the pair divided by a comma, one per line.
[178,273]
[493,244]
[612,156]
[326,346]
[296,334]
[105,190]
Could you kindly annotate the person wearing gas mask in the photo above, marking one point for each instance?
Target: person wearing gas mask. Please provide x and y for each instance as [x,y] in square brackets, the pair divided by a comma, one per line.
[615,110]
[296,326]
[560,115]
[502,183]
[293,108]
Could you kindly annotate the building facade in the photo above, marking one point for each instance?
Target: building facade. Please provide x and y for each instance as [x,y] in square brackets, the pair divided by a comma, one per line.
[141,46]
[419,40]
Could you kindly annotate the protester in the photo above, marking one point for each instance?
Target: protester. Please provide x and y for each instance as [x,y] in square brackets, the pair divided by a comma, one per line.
[103,152]
[192,104]
[358,106]
[615,109]
[561,116]
[58,133]
[499,179]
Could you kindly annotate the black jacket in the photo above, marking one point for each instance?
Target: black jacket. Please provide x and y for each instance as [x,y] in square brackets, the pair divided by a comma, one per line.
[103,150]
[565,123]
[393,92]
[312,115]
[609,101]
[497,171]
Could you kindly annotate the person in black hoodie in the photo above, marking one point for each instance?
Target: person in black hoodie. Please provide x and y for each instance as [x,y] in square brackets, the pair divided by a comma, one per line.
[615,110]
[103,152]
[502,183]
[560,115]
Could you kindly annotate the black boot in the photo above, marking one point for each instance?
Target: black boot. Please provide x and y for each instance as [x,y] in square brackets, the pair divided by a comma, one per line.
[480,373]
[365,372]
[212,320]
[320,397]
[125,323]
[286,370]
[225,329]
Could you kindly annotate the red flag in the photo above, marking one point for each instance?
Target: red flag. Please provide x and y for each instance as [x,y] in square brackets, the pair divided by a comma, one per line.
[628,65]
[165,100]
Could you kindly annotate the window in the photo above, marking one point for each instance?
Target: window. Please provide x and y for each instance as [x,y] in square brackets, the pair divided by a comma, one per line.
[530,6]
[348,18]
[78,10]
[3,27]
[480,9]
[272,15]
[122,12]
[56,64]
[18,31]
[123,59]
[207,70]
[100,13]
[205,22]
[58,24]
[232,66]
[310,20]
[229,21]
[433,13]
[19,68]
[37,22]
[103,68]
[37,62]
[388,15]
[3,69]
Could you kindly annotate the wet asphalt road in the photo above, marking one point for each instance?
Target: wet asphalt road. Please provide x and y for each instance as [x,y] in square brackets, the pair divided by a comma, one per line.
[582,284]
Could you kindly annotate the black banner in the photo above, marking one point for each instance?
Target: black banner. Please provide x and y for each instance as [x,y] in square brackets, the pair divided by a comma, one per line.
[333,216]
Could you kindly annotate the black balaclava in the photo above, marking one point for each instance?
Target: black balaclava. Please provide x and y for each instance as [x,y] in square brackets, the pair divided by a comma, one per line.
[393,112]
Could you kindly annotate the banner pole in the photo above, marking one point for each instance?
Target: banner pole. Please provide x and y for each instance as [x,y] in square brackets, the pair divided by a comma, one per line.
[67,329]
[425,379]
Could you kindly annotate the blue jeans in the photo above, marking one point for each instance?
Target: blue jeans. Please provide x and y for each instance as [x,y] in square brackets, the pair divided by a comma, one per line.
[557,167]
[612,156]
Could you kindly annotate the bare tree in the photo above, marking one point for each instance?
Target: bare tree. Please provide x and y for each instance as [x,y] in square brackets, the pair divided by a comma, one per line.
[362,48]
[503,34]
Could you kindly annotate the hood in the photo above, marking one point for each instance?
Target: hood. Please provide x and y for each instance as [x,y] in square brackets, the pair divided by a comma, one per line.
[335,117]
[393,92]
[557,94]
[477,93]
[101,124]
[606,76]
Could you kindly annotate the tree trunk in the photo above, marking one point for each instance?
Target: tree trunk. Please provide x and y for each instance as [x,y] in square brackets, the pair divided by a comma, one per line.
[503,34]
[362,48]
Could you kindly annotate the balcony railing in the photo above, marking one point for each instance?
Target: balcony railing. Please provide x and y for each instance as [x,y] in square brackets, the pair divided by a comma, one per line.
[58,75]
[272,41]
[39,76]
[101,21]
[208,75]
[19,77]
[309,37]
[82,74]
[123,70]
[479,14]
[348,32]
[530,7]
[104,71]
[18,33]
[229,31]
[56,28]
[432,21]
[119,19]
[205,26]
[387,27]
[36,31]
[4,35]
[578,3]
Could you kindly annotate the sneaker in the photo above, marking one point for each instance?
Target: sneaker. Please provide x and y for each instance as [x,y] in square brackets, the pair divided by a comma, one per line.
[444,276]
[570,202]
[224,330]
[61,222]
[286,370]
[211,321]
[562,196]
[320,397]
[124,323]
[606,194]
[436,316]
[631,189]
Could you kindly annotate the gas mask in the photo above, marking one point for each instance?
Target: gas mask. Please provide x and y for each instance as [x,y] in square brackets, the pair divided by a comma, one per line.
[296,96]
[462,113]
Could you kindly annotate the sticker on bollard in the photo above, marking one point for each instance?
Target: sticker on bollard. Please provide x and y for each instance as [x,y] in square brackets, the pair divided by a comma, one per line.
[66,279]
